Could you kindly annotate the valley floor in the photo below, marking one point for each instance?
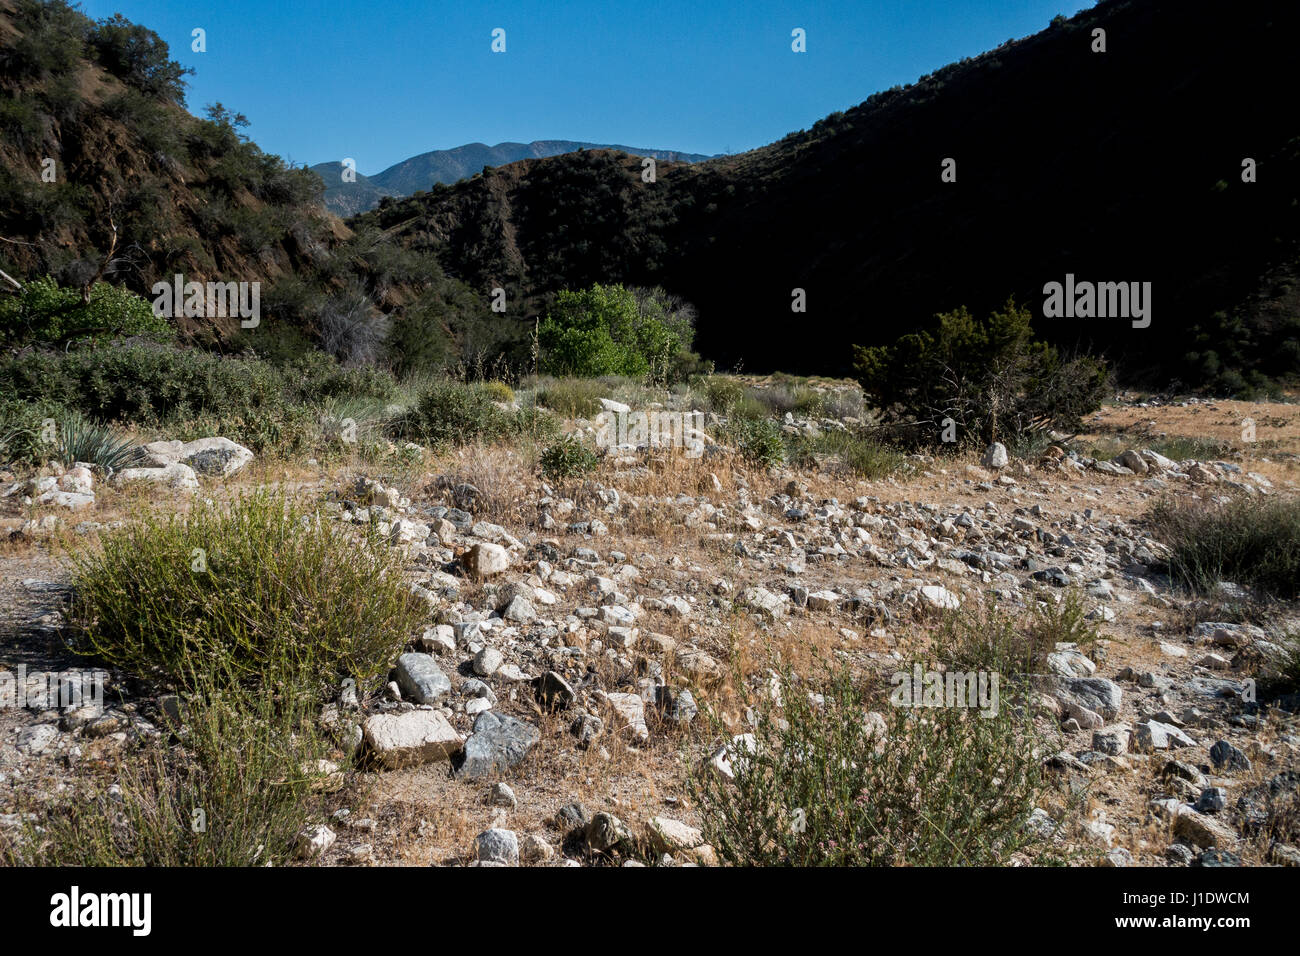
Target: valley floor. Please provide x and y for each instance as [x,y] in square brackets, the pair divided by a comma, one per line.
[666,572]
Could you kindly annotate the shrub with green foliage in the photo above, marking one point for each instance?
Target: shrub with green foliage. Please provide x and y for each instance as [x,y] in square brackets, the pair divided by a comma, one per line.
[1252,541]
[862,455]
[454,413]
[990,377]
[261,592]
[139,57]
[759,441]
[47,312]
[568,458]
[23,432]
[610,330]
[823,786]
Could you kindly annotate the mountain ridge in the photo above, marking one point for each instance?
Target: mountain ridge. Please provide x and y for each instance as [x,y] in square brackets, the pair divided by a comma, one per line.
[425,170]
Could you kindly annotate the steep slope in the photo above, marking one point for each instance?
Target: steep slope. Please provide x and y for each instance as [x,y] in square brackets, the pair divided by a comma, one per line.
[452,165]
[1122,166]
[102,171]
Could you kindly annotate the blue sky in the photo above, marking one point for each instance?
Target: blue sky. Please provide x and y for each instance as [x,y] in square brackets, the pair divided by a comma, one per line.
[385,80]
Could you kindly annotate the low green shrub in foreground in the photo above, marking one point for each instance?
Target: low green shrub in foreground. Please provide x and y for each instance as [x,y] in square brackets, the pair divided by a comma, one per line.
[252,615]
[236,793]
[265,592]
[824,787]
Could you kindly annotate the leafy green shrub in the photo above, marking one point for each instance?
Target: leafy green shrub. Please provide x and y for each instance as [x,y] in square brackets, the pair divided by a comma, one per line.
[1253,541]
[608,330]
[457,414]
[759,441]
[568,458]
[46,312]
[263,592]
[822,788]
[23,432]
[988,376]
[253,402]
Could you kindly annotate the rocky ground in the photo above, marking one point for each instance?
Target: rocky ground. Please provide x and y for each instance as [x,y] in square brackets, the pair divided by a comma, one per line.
[551,708]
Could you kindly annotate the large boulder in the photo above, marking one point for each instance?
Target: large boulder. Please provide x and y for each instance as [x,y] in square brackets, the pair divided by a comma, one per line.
[218,457]
[177,476]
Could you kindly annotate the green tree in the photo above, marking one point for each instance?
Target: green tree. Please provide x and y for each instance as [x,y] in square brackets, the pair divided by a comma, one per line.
[612,330]
[47,312]
[989,377]
[138,56]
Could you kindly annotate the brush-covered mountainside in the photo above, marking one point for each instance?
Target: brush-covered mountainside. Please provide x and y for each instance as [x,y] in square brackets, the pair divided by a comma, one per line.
[103,171]
[452,165]
[1116,166]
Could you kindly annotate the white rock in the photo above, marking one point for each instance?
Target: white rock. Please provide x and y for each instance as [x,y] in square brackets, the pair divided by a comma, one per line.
[995,456]
[485,559]
[178,476]
[412,737]
[939,597]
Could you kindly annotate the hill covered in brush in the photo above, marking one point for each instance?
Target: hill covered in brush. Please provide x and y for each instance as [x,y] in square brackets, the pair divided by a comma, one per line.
[103,172]
[1116,166]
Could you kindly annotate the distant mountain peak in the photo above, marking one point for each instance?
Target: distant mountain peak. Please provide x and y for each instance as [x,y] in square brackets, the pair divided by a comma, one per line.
[452,165]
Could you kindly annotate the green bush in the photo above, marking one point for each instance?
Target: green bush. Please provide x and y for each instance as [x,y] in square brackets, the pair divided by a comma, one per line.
[23,432]
[988,376]
[568,458]
[610,330]
[822,787]
[1252,541]
[46,312]
[457,414]
[253,402]
[759,441]
[861,455]
[262,593]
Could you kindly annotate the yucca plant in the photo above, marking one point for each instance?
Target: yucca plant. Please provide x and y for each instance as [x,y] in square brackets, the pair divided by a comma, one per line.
[81,439]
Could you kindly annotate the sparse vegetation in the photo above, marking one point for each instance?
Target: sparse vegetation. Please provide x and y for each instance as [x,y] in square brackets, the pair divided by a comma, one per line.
[824,786]
[1251,541]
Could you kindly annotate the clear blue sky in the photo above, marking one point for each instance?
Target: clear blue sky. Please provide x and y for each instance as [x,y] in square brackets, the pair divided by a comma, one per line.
[383,80]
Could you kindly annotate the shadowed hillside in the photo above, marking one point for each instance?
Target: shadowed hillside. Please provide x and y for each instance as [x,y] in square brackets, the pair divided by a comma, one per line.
[1116,166]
